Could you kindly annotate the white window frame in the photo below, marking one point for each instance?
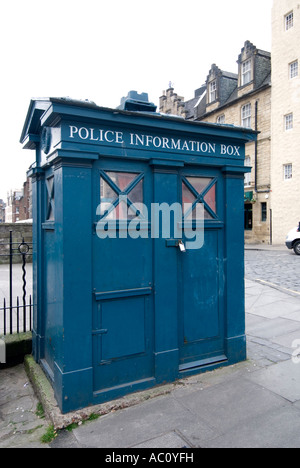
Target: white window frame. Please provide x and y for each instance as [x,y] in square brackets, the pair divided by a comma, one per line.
[289,20]
[213,91]
[246,115]
[287,171]
[293,69]
[288,122]
[246,72]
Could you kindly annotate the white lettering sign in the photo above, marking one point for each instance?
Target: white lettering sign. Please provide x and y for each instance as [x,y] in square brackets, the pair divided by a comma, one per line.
[95,135]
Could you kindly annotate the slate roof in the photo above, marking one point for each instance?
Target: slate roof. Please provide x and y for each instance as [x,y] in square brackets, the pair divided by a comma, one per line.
[196,107]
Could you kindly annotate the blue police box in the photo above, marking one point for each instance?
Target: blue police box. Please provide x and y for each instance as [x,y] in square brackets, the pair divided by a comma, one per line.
[138,262]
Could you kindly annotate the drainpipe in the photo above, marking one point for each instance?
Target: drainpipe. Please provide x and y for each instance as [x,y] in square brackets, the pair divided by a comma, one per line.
[256,145]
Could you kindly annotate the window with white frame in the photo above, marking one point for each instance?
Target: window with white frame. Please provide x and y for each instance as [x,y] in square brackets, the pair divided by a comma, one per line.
[289,21]
[288,122]
[293,69]
[221,119]
[246,72]
[212,91]
[246,116]
[287,171]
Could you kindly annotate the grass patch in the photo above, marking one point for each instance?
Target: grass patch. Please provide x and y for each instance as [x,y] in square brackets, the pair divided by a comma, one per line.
[93,417]
[72,426]
[49,435]
[40,411]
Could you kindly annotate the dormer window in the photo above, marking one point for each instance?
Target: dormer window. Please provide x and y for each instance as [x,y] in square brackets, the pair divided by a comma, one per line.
[212,91]
[246,72]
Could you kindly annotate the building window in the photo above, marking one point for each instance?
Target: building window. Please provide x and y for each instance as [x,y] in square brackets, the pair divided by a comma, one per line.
[293,69]
[246,72]
[288,122]
[264,211]
[288,171]
[221,119]
[246,116]
[289,21]
[247,177]
[212,91]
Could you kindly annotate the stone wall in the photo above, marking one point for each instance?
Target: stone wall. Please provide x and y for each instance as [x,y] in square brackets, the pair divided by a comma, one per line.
[19,231]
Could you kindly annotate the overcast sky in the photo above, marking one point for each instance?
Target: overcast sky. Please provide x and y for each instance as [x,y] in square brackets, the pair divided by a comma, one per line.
[100,49]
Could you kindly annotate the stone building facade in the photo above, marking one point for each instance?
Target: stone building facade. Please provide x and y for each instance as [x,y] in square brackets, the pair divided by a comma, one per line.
[12,210]
[19,204]
[2,211]
[242,99]
[285,164]
[172,104]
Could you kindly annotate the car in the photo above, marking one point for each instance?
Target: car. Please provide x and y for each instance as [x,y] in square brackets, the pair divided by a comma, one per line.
[293,240]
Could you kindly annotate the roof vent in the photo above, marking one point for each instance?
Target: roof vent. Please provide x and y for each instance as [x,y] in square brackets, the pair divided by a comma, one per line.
[137,102]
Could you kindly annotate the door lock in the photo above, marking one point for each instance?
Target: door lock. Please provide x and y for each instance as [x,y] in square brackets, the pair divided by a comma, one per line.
[181,246]
[176,243]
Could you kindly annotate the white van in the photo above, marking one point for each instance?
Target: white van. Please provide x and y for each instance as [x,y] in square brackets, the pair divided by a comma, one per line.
[293,240]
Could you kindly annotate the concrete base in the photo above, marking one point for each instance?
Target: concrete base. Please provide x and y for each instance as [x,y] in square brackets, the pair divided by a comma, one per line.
[16,347]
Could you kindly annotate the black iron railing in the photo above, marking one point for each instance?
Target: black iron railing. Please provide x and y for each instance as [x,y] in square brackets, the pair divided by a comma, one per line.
[16,313]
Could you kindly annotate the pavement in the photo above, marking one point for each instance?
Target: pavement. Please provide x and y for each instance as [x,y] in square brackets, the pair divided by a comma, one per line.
[253,404]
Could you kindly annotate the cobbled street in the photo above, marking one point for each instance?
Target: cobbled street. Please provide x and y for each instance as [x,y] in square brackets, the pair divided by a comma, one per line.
[278,267]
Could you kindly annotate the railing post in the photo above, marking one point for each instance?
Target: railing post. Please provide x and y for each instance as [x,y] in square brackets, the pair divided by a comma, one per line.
[10,282]
[18,316]
[24,249]
[4,316]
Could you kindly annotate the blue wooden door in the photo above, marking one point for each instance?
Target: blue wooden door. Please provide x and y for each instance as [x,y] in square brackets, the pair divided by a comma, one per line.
[189,266]
[122,276]
[201,283]
[150,296]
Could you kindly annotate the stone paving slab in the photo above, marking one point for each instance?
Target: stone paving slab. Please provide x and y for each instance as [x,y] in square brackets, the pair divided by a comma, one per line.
[19,424]
[169,440]
[282,379]
[275,429]
[255,403]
